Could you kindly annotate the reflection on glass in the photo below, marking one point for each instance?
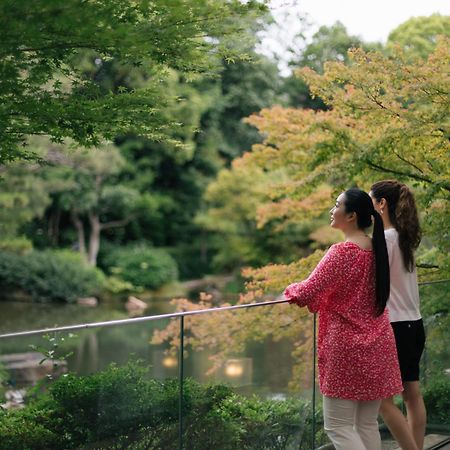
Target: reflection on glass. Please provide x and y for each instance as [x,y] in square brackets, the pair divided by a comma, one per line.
[169,362]
[238,371]
[165,365]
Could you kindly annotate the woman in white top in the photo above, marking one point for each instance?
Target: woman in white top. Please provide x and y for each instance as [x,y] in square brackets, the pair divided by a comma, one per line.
[395,203]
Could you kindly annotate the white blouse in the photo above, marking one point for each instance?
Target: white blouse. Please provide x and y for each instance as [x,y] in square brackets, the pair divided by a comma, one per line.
[403,303]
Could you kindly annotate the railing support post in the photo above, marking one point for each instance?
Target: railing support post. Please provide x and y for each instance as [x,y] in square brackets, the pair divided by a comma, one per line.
[313,419]
[181,378]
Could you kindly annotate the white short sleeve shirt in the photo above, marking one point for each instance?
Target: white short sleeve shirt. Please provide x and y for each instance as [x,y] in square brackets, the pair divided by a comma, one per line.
[403,303]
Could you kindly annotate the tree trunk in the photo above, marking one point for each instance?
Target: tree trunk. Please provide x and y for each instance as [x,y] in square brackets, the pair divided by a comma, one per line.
[53,226]
[80,231]
[94,238]
[96,229]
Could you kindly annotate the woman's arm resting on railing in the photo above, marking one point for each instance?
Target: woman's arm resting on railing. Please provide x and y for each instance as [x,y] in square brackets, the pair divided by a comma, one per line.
[323,279]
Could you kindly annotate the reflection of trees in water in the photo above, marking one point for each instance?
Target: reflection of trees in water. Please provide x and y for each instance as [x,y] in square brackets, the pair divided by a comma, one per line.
[87,355]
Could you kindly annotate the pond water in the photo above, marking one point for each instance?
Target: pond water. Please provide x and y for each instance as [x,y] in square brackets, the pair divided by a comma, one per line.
[262,367]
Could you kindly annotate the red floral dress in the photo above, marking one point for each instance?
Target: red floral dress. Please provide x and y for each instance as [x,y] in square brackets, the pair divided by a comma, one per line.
[357,357]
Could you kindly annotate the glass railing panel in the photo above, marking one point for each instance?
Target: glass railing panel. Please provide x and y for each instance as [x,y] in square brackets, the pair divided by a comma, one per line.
[98,388]
[254,369]
[435,364]
[247,381]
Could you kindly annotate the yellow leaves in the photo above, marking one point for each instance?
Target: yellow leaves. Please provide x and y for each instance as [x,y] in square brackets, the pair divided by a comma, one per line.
[275,277]
[295,211]
[326,235]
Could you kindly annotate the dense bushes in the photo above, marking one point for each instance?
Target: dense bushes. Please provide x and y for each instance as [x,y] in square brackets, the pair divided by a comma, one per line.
[63,275]
[124,408]
[437,400]
[20,245]
[141,265]
[50,275]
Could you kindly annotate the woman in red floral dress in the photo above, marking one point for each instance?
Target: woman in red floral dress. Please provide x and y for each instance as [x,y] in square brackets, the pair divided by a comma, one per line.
[357,358]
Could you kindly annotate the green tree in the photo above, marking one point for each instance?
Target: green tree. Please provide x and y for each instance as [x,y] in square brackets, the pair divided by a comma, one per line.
[83,184]
[211,112]
[236,216]
[22,197]
[329,43]
[418,36]
[244,88]
[43,90]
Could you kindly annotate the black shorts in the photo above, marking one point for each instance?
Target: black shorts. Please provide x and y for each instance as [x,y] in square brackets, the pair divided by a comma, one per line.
[410,340]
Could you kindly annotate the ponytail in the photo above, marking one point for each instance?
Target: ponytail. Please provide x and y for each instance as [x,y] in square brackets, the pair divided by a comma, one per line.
[382,277]
[403,215]
[407,225]
[359,202]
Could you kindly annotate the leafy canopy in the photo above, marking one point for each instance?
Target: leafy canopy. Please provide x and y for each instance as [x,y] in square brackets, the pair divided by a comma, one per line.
[43,89]
[386,117]
[418,36]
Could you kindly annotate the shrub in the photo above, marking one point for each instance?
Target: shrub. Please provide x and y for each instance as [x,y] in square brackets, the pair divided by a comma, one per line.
[50,275]
[122,407]
[20,245]
[436,396]
[23,431]
[141,265]
[4,376]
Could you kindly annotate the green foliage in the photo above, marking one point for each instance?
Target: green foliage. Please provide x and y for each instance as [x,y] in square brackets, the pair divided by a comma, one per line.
[418,36]
[436,396]
[20,245]
[23,197]
[27,431]
[116,286]
[245,87]
[141,265]
[193,259]
[44,90]
[122,407]
[4,376]
[49,275]
[51,351]
[329,43]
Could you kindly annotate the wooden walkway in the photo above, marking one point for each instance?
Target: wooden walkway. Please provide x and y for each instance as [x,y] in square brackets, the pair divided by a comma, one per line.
[432,442]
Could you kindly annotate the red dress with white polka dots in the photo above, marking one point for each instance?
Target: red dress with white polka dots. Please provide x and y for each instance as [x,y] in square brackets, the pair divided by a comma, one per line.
[357,357]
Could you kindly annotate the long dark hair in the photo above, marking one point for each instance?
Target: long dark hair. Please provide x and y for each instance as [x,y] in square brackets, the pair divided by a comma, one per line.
[403,215]
[360,203]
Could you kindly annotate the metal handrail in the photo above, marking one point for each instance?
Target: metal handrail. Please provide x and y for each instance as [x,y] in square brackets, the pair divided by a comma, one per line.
[157,317]
[110,323]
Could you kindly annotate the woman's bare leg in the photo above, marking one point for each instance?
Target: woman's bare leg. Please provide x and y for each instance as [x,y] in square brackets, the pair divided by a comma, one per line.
[398,425]
[415,410]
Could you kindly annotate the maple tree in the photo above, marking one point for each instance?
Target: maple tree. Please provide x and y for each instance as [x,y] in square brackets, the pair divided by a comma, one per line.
[387,117]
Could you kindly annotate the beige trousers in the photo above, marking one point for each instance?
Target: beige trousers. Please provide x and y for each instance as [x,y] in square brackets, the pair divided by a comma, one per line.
[352,425]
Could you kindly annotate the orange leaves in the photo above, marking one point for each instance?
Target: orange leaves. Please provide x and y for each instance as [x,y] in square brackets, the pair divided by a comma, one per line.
[226,333]
[295,211]
[275,277]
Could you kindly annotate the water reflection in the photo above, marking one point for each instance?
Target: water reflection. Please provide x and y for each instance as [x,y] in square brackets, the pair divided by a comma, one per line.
[261,367]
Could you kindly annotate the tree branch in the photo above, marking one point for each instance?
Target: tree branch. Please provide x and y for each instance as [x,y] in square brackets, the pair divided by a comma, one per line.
[117,223]
[445,186]
[407,162]
[398,172]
